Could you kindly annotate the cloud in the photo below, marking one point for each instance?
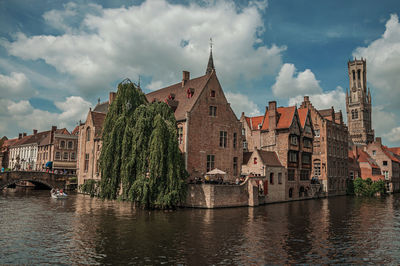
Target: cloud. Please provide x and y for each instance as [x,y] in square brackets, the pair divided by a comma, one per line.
[109,44]
[383,63]
[393,135]
[241,103]
[17,116]
[16,85]
[291,83]
[325,100]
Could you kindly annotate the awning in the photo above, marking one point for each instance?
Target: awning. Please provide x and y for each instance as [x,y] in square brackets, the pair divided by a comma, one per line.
[49,164]
[216,171]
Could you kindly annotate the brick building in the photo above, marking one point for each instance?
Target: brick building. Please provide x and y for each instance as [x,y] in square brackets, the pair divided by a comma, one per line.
[358,103]
[89,141]
[5,151]
[208,129]
[290,134]
[330,153]
[272,174]
[388,163]
[60,148]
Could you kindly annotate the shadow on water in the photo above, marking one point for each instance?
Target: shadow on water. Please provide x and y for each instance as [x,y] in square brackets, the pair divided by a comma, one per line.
[337,230]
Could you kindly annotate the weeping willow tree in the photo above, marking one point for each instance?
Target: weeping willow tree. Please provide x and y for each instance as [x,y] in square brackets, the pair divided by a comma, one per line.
[140,159]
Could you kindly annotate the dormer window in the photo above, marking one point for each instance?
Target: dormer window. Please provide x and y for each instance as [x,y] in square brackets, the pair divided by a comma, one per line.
[212,93]
[293,140]
[255,160]
[190,93]
[259,126]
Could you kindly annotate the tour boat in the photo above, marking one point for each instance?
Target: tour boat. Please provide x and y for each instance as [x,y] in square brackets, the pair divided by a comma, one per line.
[58,195]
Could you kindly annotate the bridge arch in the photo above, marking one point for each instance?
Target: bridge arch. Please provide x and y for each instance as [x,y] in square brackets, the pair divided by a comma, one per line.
[48,179]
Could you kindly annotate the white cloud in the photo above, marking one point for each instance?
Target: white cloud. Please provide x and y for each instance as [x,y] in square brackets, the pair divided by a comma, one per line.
[17,116]
[393,135]
[241,103]
[16,85]
[154,39]
[155,85]
[383,63]
[290,83]
[325,100]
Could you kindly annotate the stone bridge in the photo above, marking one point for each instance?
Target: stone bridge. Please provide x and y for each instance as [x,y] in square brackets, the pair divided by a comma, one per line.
[49,179]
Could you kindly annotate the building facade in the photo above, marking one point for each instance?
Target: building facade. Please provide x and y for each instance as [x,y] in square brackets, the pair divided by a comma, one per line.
[290,135]
[330,152]
[358,104]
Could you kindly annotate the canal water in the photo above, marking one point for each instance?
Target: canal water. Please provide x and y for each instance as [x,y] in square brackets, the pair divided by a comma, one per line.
[36,229]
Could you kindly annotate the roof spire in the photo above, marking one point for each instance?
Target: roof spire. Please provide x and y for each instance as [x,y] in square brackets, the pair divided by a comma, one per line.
[210,65]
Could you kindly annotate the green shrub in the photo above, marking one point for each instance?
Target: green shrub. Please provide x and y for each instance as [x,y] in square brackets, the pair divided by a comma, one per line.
[368,188]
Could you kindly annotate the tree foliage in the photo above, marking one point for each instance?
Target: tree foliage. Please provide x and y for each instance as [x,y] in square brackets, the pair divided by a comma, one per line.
[140,160]
[368,188]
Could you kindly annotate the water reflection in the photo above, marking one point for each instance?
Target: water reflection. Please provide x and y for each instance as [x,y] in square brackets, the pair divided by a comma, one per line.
[82,230]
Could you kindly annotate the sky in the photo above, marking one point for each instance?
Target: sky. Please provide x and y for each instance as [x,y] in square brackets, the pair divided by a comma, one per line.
[57,58]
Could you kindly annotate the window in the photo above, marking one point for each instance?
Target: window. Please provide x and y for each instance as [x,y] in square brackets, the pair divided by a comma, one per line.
[223,138]
[271,178]
[88,134]
[306,158]
[356,114]
[58,155]
[384,163]
[212,93]
[374,152]
[386,174]
[293,157]
[210,162]
[235,166]
[354,75]
[291,174]
[279,178]
[351,175]
[65,157]
[317,169]
[308,129]
[86,162]
[307,143]
[293,140]
[234,140]
[290,192]
[243,131]
[304,175]
[72,155]
[213,111]
[255,160]
[70,144]
[180,135]
[245,144]
[359,74]
[62,144]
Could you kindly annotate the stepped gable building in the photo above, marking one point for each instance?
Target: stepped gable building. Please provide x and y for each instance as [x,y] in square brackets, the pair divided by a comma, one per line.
[89,141]
[290,135]
[388,162]
[358,104]
[23,152]
[208,129]
[5,151]
[266,164]
[59,147]
[330,153]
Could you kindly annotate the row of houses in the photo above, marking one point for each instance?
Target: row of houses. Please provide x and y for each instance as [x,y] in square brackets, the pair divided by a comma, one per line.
[293,152]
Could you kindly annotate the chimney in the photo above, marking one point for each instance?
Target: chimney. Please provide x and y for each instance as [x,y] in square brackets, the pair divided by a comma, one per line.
[378,140]
[185,77]
[111,97]
[272,115]
[24,135]
[20,136]
[34,131]
[306,99]
[53,128]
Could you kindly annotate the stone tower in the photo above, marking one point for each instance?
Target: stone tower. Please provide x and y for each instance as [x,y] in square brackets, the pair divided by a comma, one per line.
[358,104]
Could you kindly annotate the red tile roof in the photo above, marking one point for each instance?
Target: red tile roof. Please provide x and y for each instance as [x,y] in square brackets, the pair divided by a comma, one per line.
[181,99]
[390,154]
[285,117]
[395,150]
[75,131]
[365,158]
[269,158]
[253,122]
[302,116]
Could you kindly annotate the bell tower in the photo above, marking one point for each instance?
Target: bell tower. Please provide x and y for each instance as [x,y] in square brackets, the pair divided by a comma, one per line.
[358,103]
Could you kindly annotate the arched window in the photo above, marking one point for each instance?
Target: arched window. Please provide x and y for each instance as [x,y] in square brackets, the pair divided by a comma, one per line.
[356,114]
[352,114]
[354,75]
[359,74]
[88,134]
[271,178]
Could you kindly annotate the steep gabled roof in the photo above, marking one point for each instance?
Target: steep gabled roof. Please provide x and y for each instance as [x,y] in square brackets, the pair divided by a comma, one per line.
[101,107]
[179,94]
[395,150]
[285,117]
[254,121]
[30,139]
[75,131]
[246,157]
[390,154]
[365,158]
[302,116]
[98,121]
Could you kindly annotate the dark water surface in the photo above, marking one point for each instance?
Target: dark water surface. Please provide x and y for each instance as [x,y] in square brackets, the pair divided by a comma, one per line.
[36,229]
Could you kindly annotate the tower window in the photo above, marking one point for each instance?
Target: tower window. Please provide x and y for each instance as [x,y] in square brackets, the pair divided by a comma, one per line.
[354,75]
[358,74]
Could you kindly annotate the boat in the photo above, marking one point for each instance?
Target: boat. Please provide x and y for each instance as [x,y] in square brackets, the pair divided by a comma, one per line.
[56,194]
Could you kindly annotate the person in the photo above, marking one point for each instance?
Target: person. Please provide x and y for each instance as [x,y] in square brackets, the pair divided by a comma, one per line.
[2,169]
[237,181]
